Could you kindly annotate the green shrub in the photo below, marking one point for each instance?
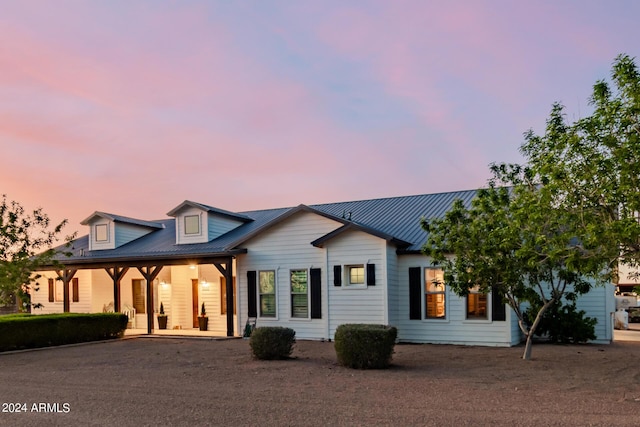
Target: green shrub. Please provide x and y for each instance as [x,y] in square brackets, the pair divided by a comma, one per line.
[363,346]
[32,331]
[272,342]
[562,323]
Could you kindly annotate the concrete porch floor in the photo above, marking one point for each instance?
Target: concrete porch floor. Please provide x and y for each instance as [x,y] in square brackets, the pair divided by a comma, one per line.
[176,333]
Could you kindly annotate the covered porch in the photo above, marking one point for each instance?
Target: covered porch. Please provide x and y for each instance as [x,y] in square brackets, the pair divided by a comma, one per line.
[182,285]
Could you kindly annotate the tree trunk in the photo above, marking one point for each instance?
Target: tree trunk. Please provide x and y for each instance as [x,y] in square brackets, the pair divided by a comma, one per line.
[527,347]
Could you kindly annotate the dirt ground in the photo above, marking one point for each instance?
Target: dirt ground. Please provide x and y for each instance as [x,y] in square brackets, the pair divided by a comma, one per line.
[197,382]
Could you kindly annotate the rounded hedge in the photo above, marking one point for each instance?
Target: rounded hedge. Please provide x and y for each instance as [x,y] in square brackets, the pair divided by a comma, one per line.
[365,346]
[272,342]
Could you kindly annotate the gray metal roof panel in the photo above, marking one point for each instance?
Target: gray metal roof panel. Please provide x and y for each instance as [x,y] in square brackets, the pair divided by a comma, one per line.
[397,217]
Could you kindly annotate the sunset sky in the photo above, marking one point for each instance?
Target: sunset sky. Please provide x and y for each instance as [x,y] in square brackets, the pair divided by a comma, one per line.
[130,107]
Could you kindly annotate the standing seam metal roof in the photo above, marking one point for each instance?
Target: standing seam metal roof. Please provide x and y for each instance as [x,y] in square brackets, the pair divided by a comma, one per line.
[398,217]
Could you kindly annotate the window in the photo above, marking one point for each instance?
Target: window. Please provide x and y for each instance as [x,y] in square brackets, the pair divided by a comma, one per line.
[267,287]
[223,295]
[138,295]
[102,232]
[192,224]
[476,304]
[434,293]
[299,294]
[355,274]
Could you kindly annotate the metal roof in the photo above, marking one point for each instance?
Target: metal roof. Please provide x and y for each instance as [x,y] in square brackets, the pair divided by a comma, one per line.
[395,218]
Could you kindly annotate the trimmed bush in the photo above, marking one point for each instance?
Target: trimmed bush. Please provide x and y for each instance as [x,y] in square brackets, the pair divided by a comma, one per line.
[32,331]
[272,342]
[365,346]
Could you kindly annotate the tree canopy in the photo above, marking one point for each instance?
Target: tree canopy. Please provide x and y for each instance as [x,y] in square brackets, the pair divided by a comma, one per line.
[558,224]
[26,243]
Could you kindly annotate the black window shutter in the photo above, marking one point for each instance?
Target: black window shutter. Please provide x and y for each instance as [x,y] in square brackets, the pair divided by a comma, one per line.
[337,275]
[498,309]
[75,289]
[415,294]
[251,294]
[371,274]
[52,290]
[316,293]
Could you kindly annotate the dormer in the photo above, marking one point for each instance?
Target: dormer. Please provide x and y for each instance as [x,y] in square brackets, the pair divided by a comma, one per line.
[108,231]
[198,223]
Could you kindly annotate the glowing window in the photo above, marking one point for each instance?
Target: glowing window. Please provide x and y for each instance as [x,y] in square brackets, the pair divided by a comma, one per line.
[435,295]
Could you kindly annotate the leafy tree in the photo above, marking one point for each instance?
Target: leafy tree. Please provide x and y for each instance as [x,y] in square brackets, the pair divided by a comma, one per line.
[26,241]
[559,223]
[593,165]
[512,241]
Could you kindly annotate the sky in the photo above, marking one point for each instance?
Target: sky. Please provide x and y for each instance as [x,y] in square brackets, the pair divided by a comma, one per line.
[131,107]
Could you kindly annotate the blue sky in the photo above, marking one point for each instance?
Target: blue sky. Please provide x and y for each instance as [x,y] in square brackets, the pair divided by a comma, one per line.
[131,107]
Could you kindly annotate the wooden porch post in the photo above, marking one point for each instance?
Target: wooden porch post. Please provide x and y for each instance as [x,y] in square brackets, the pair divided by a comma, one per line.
[150,273]
[227,272]
[116,273]
[66,275]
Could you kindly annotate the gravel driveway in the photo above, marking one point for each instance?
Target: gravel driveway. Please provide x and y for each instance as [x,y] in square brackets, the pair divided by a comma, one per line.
[197,382]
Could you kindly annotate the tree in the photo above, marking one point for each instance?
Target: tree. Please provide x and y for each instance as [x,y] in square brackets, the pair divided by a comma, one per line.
[593,165]
[560,223]
[513,241]
[26,243]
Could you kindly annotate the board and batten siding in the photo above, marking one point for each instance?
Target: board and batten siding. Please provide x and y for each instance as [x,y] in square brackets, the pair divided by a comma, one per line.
[357,304]
[284,247]
[455,328]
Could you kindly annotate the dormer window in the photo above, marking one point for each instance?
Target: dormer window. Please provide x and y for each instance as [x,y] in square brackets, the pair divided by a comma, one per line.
[102,232]
[192,224]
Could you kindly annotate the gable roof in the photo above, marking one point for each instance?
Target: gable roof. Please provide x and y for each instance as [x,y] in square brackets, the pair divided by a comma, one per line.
[356,227]
[395,219]
[211,209]
[120,218]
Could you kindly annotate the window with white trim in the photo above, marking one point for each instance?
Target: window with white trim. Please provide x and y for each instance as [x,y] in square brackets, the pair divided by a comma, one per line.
[192,224]
[355,274]
[267,288]
[435,293]
[299,294]
[477,304]
[102,232]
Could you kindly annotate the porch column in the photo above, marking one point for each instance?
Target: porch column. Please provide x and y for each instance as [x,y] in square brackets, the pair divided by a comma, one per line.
[150,273]
[227,272]
[116,273]
[66,275]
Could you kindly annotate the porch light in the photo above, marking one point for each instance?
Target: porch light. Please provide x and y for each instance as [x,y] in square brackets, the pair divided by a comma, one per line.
[204,283]
[192,266]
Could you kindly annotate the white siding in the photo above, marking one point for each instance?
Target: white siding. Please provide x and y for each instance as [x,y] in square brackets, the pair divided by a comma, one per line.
[348,304]
[181,296]
[455,329]
[599,303]
[282,248]
[393,291]
[110,243]
[201,237]
[42,295]
[101,290]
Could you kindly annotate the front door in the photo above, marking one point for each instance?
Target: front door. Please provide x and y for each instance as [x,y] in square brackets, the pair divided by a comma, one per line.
[194,304]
